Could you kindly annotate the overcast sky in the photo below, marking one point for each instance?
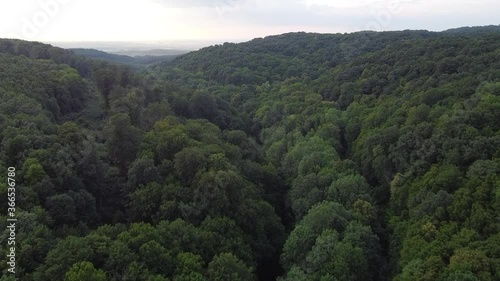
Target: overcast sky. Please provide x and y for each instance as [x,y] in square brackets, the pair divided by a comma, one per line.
[232,20]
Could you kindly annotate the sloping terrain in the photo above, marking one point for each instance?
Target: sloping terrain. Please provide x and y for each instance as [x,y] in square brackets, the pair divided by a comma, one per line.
[364,156]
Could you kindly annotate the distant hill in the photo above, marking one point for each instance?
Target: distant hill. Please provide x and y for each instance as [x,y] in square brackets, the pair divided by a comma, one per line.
[473,30]
[137,61]
[149,52]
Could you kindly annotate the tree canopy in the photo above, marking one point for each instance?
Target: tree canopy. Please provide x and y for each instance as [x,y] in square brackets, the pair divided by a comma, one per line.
[302,156]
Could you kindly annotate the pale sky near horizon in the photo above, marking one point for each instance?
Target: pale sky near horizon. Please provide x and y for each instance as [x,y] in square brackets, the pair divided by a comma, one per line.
[162,20]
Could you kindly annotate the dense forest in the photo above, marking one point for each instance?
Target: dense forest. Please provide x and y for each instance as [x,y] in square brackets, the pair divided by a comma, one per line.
[297,157]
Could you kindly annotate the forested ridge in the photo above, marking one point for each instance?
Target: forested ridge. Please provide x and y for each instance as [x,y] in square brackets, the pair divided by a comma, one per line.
[302,156]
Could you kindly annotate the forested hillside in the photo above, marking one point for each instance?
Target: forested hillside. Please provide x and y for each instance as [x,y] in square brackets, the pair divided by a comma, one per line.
[363,156]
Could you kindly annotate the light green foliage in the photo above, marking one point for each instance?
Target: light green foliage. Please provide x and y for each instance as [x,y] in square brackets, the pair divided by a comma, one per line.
[62,257]
[226,267]
[84,271]
[34,171]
